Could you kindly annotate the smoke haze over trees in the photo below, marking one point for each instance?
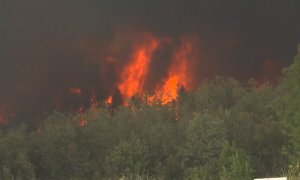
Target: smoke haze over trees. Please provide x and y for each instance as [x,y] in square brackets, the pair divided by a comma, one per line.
[48,47]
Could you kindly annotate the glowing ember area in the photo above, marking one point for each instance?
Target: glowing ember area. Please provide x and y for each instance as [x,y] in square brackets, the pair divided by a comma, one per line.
[134,74]
[5,115]
[109,100]
[83,122]
[179,74]
[75,91]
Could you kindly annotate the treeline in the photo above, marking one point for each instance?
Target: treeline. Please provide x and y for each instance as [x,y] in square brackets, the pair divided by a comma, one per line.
[224,130]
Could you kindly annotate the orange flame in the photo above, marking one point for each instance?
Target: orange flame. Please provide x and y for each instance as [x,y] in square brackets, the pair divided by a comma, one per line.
[178,74]
[109,100]
[134,74]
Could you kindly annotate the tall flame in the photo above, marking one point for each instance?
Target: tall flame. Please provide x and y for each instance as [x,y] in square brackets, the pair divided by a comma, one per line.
[178,74]
[134,74]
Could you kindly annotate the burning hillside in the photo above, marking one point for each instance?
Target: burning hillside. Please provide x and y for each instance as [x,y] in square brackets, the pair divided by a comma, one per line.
[154,66]
[178,74]
[135,77]
[73,55]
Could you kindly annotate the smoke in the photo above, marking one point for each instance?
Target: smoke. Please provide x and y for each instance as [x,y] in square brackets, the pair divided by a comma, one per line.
[50,46]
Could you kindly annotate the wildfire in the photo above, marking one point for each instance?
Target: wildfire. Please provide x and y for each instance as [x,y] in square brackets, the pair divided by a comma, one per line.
[178,74]
[134,78]
[109,100]
[134,74]
[75,91]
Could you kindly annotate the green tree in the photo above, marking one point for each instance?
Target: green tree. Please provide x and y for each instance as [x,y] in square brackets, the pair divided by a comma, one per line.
[54,150]
[234,164]
[14,160]
[288,107]
[127,158]
[255,128]
[205,134]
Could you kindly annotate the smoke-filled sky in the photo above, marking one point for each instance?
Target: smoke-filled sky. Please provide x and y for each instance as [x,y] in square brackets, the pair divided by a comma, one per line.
[49,46]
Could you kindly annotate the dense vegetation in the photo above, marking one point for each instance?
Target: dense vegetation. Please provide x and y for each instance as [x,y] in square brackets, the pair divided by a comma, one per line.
[224,130]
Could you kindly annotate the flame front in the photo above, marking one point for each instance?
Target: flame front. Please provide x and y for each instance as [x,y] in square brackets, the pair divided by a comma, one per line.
[142,72]
[134,74]
[179,74]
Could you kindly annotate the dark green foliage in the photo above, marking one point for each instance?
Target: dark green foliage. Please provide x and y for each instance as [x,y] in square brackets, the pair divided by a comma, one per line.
[183,140]
[234,164]
[288,107]
[14,160]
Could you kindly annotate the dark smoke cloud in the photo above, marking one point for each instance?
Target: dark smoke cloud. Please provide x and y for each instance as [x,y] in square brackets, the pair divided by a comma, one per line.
[48,46]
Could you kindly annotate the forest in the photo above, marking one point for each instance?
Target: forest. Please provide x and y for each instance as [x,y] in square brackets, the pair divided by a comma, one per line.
[225,129]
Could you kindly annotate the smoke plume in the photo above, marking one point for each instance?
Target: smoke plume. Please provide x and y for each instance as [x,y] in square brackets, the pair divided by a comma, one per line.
[63,54]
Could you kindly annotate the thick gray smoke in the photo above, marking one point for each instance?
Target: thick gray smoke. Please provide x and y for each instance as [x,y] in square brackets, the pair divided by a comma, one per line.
[48,46]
